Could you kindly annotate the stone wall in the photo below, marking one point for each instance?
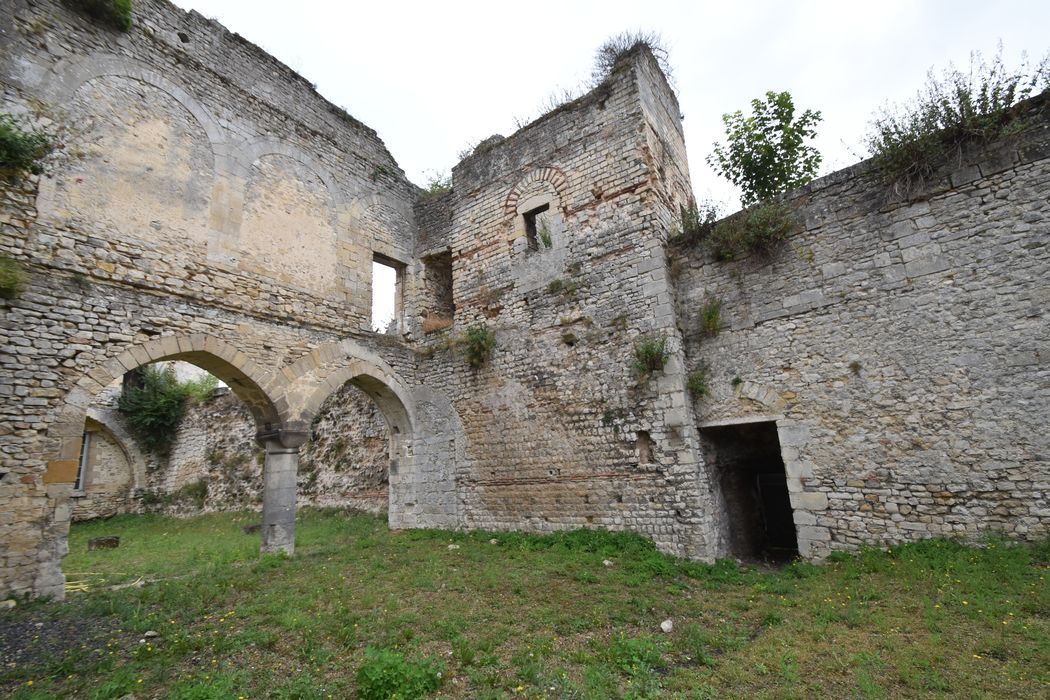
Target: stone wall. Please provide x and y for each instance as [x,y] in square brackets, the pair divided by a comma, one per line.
[552,420]
[161,231]
[208,205]
[900,346]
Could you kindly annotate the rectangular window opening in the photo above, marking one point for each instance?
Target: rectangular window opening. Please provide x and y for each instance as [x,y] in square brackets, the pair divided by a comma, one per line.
[387,275]
[85,452]
[749,472]
[534,229]
[439,308]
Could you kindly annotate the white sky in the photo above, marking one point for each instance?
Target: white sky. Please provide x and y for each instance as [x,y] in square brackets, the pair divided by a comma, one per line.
[432,78]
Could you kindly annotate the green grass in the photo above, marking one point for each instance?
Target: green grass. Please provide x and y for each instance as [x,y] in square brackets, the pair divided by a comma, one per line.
[526,616]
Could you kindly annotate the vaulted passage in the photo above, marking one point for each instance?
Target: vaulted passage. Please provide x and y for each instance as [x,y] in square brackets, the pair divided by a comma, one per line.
[749,471]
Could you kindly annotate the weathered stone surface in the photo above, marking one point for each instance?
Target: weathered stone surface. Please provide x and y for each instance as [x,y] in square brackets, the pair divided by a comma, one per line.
[210,207]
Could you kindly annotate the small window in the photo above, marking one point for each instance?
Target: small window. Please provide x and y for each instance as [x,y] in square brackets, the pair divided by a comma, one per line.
[386,295]
[537,229]
[85,452]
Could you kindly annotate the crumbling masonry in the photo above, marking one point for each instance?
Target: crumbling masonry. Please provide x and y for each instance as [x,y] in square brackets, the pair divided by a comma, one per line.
[881,378]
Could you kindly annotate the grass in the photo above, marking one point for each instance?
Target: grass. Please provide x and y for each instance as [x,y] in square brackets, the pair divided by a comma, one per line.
[511,615]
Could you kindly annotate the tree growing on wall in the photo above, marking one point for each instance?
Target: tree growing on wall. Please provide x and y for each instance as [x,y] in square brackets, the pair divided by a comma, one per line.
[766,154]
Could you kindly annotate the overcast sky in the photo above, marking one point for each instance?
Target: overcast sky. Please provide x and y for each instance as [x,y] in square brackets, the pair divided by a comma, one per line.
[432,78]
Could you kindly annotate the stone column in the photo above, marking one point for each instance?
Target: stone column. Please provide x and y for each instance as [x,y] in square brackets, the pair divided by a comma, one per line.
[279,474]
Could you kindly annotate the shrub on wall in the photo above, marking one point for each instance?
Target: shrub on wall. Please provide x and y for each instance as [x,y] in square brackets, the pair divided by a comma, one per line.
[711,316]
[12,278]
[696,382]
[477,344]
[116,13]
[954,109]
[650,355]
[154,409]
[755,230]
[21,149]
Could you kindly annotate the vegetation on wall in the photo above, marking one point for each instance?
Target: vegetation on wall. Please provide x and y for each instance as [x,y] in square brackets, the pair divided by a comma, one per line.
[695,222]
[753,231]
[650,355]
[12,278]
[21,149]
[154,409]
[616,47]
[711,316]
[696,382]
[954,109]
[477,344]
[437,185]
[116,13]
[765,154]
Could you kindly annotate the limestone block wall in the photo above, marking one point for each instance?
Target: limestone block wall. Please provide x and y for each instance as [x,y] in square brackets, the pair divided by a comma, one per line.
[163,230]
[108,481]
[901,347]
[552,420]
[344,463]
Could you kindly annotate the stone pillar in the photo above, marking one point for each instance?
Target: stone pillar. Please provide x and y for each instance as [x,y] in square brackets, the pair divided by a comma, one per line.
[279,474]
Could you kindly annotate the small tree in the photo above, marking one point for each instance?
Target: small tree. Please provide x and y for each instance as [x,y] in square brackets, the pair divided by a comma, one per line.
[765,154]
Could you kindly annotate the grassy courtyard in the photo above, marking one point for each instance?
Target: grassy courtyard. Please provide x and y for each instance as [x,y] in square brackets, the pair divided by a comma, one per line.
[361,611]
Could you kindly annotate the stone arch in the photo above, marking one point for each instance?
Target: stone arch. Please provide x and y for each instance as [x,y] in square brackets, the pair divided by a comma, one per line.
[427,434]
[330,366]
[122,439]
[247,380]
[69,75]
[251,384]
[549,174]
[248,152]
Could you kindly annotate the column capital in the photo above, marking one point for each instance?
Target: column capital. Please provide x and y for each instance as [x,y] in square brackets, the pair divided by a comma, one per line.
[290,439]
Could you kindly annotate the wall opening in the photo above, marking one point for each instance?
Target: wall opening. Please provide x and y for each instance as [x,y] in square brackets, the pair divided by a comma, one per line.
[537,228]
[387,275]
[645,448]
[749,472]
[438,308]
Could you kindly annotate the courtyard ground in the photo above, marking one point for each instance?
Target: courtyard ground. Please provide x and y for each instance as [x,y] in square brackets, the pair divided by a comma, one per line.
[361,611]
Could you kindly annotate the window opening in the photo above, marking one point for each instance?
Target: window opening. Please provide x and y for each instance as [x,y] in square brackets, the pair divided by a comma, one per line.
[386,295]
[85,451]
[645,448]
[537,229]
[437,282]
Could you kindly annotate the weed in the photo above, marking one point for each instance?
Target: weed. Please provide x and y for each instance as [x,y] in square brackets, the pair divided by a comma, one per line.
[544,233]
[619,323]
[437,184]
[711,316]
[12,278]
[697,383]
[565,289]
[477,344]
[379,171]
[650,354]
[201,389]
[695,222]
[617,47]
[154,410]
[756,230]
[736,381]
[855,367]
[21,148]
[954,109]
[116,13]
[569,338]
[195,493]
[387,674]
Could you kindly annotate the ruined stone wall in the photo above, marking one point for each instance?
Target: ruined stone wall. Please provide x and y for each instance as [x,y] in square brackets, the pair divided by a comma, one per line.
[206,203]
[901,346]
[551,420]
[344,463]
[108,482]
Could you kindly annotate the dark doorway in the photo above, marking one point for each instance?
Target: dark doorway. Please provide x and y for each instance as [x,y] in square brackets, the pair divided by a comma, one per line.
[749,472]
